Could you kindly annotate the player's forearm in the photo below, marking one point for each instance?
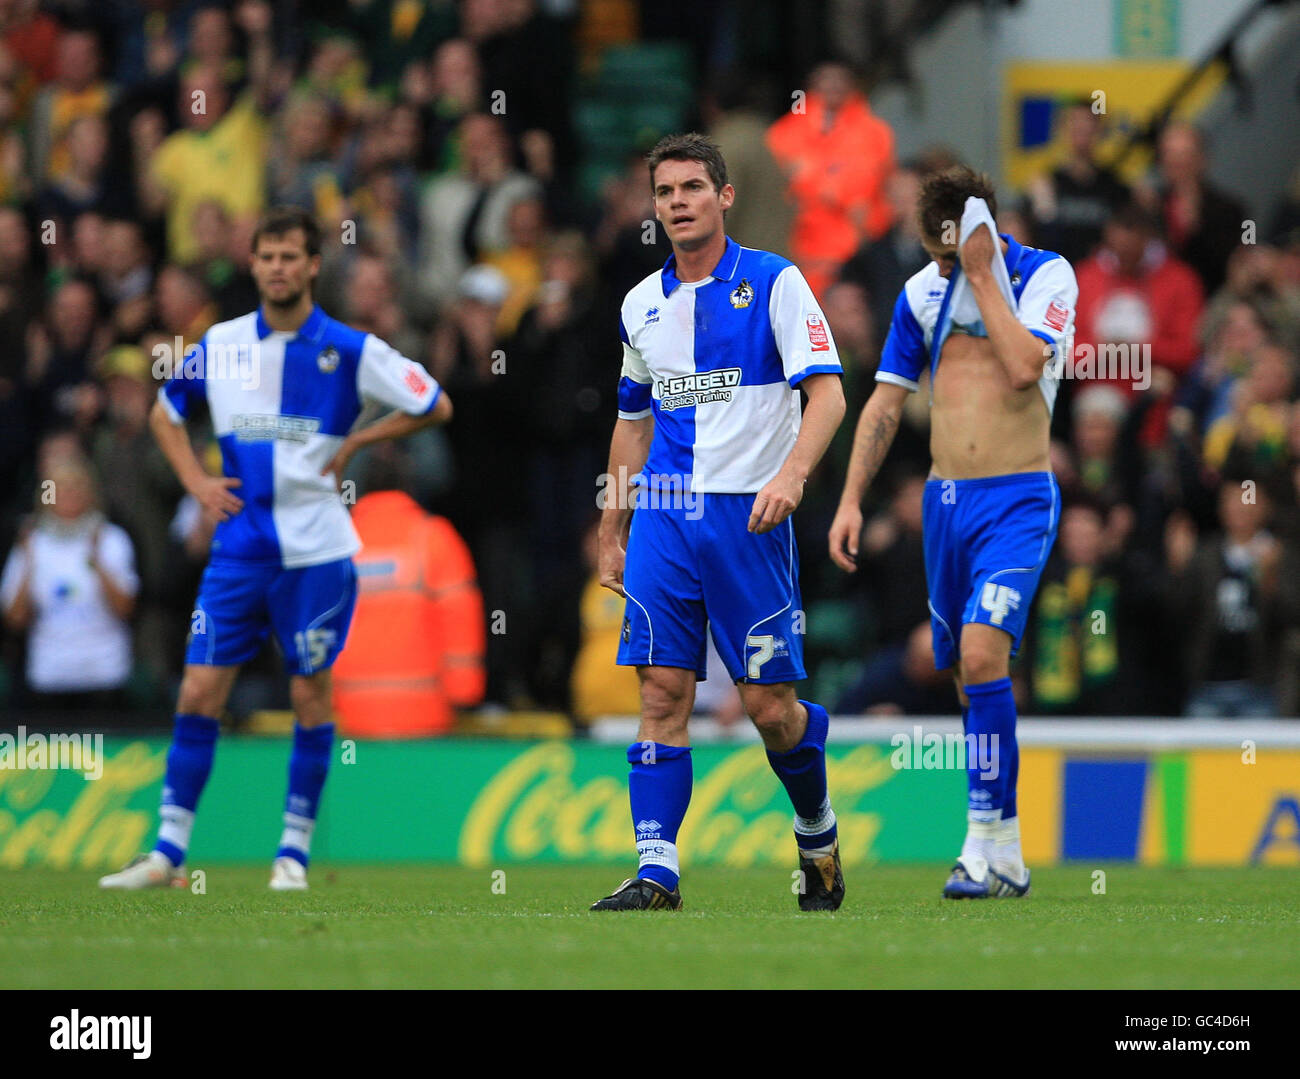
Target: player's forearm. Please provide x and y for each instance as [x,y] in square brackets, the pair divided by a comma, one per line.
[628,452]
[398,424]
[821,419]
[877,426]
[174,442]
[1021,354]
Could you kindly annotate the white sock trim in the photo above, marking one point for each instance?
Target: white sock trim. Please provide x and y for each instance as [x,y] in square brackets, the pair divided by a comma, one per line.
[823,822]
[175,824]
[297,833]
[658,852]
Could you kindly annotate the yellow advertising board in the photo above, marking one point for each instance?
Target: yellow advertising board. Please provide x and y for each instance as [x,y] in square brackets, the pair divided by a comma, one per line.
[1126,93]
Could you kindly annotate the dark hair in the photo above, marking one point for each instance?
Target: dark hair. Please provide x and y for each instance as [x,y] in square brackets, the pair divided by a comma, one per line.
[944,195]
[689,147]
[282,219]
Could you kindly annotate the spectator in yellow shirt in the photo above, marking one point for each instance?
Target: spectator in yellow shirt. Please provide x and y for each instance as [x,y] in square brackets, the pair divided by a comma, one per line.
[219,152]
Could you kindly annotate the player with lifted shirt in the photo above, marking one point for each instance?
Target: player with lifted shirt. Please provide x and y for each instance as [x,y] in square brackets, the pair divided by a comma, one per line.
[993,321]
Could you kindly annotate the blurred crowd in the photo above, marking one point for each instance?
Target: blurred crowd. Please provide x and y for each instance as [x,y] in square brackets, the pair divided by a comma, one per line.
[139,141]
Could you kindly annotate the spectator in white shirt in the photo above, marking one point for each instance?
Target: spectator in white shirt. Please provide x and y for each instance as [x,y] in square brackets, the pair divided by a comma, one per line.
[70,584]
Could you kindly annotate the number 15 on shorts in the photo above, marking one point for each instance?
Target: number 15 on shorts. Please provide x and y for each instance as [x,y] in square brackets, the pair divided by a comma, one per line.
[314,646]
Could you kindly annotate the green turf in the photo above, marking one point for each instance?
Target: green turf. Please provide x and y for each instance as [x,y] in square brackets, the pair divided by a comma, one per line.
[440,926]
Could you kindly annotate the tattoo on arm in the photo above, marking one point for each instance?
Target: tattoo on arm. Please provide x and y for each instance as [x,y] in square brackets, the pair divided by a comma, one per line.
[876,443]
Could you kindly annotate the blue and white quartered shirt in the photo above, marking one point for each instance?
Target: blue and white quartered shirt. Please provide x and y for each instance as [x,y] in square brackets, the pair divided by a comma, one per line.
[717,363]
[281,405]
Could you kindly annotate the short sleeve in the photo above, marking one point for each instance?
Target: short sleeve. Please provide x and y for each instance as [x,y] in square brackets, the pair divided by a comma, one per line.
[803,336]
[386,376]
[186,388]
[903,358]
[1048,304]
[634,382]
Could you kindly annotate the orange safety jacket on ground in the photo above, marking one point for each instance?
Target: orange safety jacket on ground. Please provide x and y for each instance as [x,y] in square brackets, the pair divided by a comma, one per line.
[837,182]
[416,647]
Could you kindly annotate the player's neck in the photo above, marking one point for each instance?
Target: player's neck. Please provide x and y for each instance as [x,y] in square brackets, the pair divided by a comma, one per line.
[700,262]
[288,319]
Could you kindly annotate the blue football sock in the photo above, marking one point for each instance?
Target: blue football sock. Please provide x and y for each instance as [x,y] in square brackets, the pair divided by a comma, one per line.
[189,763]
[309,764]
[1011,762]
[659,789]
[802,771]
[992,721]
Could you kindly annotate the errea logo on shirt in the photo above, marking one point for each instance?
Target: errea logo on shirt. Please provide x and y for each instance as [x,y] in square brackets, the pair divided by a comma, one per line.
[263,427]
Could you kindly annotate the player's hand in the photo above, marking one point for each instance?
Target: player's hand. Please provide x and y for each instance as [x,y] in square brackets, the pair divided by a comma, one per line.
[774,503]
[339,462]
[977,253]
[610,559]
[845,530]
[214,495]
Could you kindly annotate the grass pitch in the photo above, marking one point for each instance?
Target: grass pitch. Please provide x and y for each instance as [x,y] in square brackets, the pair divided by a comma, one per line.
[443,927]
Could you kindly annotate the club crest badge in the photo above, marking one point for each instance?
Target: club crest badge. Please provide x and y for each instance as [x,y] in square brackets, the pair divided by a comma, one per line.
[328,360]
[743,295]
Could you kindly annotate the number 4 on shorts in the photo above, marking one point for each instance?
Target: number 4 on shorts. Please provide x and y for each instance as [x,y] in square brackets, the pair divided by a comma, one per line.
[998,600]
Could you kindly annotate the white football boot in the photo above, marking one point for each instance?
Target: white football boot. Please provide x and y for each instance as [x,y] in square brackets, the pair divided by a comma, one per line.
[151,870]
[288,875]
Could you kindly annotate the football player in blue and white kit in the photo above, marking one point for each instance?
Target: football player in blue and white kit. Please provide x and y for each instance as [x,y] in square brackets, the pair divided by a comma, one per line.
[993,322]
[716,349]
[283,386]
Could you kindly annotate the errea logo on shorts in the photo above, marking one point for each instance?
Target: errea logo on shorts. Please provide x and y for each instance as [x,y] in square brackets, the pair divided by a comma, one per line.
[999,600]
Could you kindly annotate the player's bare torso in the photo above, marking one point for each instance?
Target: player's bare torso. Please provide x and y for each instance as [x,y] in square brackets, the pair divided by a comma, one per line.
[980,425]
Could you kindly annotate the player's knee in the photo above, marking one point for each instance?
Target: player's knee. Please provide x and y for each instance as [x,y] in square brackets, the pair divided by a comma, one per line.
[981,664]
[310,698]
[664,708]
[771,712]
[202,693]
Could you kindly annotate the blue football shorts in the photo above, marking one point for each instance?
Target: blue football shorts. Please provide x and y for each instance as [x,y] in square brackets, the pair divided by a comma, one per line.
[986,543]
[693,570]
[240,603]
